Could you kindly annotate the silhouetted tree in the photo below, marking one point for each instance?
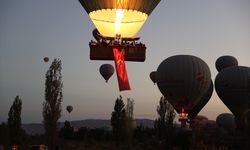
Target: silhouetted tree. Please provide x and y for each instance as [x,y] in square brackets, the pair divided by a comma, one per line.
[130,121]
[118,121]
[165,122]
[14,121]
[52,104]
[67,130]
[4,135]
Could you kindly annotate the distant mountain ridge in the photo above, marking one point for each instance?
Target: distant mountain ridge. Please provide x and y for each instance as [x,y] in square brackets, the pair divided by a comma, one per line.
[37,128]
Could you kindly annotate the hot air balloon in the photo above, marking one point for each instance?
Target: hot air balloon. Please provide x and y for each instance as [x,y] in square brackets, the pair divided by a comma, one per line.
[232,85]
[124,17]
[211,124]
[199,122]
[96,35]
[118,20]
[225,120]
[106,70]
[177,81]
[46,59]
[202,102]
[69,108]
[225,61]
[152,76]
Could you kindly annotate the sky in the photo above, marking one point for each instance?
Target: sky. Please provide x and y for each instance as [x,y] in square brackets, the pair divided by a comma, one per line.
[33,29]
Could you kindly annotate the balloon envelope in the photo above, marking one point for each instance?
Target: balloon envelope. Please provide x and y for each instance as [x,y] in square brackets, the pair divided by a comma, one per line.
[183,79]
[69,108]
[225,61]
[202,102]
[152,76]
[247,118]
[225,120]
[232,85]
[123,17]
[106,70]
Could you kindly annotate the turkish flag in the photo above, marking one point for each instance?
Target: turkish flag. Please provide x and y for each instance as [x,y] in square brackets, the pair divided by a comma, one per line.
[121,69]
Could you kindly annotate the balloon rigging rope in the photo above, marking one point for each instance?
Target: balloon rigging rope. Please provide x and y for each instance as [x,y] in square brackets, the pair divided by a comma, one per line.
[114,21]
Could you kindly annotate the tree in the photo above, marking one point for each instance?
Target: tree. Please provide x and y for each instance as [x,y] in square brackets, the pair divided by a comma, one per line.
[52,104]
[118,120]
[164,123]
[67,130]
[4,132]
[130,121]
[14,121]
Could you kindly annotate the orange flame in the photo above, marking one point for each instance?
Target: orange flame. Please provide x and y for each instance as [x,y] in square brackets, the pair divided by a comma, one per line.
[183,114]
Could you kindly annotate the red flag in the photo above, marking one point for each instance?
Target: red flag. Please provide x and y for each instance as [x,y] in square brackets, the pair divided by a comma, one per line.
[121,69]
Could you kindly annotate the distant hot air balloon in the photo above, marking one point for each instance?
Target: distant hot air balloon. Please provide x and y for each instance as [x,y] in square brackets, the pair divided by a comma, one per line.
[177,81]
[46,59]
[225,120]
[202,102]
[69,108]
[152,76]
[106,70]
[96,35]
[211,124]
[199,122]
[225,61]
[232,85]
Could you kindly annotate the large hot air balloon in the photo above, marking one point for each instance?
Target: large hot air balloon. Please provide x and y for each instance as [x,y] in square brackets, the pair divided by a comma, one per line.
[152,76]
[177,79]
[202,102]
[69,108]
[123,17]
[247,119]
[232,85]
[118,20]
[106,70]
[225,61]
[46,59]
[225,120]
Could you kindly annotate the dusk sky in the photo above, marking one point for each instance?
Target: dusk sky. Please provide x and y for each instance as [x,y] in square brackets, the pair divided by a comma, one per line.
[33,29]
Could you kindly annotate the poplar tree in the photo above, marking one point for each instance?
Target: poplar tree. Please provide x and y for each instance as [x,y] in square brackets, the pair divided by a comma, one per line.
[14,121]
[118,121]
[52,104]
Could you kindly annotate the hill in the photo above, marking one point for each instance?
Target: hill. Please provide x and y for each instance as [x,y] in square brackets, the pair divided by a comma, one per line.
[37,128]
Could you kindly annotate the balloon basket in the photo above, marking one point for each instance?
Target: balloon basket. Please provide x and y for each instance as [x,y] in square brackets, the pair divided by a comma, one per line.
[183,121]
[100,51]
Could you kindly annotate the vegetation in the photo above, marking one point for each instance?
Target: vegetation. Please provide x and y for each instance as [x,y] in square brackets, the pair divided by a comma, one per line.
[67,131]
[118,121]
[164,124]
[52,104]
[14,121]
[164,136]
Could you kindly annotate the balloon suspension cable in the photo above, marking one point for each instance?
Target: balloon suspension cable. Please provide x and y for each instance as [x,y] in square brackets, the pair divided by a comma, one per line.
[106,81]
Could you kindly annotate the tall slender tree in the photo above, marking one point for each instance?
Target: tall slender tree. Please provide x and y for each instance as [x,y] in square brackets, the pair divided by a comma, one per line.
[14,121]
[118,121]
[130,121]
[164,123]
[52,104]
